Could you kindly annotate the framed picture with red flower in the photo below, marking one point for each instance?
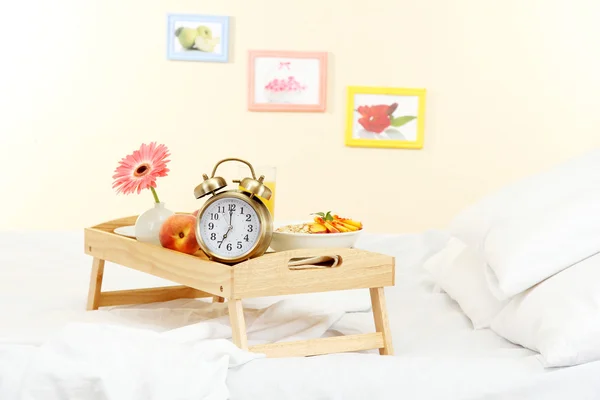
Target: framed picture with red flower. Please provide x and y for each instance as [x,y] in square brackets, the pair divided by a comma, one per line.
[385,117]
[287,81]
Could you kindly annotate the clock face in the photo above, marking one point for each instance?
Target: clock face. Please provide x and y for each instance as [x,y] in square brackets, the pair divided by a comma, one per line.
[229,227]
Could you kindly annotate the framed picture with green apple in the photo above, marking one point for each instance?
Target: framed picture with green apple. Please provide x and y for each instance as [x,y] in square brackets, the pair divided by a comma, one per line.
[196,37]
[385,117]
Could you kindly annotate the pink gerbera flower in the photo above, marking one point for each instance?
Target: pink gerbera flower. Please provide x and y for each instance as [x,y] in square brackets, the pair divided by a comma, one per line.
[139,171]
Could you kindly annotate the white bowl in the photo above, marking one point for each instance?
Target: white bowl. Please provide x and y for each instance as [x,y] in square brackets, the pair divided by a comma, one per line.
[283,241]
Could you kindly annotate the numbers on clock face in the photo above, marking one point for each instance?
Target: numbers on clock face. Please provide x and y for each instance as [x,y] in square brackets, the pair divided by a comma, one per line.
[229,227]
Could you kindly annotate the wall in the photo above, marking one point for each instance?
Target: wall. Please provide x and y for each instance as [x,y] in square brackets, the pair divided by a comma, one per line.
[512,88]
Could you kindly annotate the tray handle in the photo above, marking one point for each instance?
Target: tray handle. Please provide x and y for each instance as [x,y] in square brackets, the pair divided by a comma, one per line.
[315,262]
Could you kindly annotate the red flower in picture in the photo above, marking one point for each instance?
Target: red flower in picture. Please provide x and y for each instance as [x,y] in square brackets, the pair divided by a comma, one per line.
[377,118]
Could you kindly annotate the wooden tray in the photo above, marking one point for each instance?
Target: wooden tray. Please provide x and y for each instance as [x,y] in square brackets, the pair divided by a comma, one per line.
[269,275]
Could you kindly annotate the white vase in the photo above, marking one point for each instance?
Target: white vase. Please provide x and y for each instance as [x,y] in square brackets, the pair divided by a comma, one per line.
[147,225]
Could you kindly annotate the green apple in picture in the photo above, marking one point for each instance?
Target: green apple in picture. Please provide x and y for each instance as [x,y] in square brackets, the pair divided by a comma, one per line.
[206,44]
[186,36]
[204,32]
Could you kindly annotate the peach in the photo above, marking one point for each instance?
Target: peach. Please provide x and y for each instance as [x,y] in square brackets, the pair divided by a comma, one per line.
[195,213]
[317,228]
[178,233]
[330,227]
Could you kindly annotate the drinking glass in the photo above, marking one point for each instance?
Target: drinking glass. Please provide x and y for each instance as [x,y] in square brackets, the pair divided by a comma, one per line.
[270,181]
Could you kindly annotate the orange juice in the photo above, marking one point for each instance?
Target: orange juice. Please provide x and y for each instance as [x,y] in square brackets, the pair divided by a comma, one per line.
[269,173]
[271,202]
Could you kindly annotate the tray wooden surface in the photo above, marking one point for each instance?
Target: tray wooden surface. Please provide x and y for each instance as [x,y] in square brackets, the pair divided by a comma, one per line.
[268,275]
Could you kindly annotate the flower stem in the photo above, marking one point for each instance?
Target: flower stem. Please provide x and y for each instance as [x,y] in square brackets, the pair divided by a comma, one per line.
[154,194]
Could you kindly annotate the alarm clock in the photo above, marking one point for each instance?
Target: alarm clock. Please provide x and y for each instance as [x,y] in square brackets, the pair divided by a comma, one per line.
[233,225]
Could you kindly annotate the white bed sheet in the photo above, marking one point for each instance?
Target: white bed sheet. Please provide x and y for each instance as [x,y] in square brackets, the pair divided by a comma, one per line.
[438,354]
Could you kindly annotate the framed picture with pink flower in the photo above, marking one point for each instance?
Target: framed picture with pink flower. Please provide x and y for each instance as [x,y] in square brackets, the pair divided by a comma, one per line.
[287,81]
[385,117]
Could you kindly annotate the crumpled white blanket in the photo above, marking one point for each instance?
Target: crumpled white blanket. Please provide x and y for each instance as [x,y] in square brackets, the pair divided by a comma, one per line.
[101,362]
[105,360]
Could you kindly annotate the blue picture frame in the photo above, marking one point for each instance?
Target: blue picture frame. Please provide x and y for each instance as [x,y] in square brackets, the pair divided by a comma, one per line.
[176,50]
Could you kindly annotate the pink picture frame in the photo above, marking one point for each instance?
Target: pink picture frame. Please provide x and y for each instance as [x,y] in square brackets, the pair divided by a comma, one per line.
[287,81]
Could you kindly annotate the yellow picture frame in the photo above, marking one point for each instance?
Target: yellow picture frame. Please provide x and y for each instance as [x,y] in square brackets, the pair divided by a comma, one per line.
[369,126]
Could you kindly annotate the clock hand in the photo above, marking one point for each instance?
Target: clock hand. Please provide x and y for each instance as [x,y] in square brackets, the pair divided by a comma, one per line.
[225,236]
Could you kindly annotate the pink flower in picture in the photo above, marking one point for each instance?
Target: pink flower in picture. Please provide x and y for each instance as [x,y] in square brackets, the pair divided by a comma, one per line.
[285,85]
[139,170]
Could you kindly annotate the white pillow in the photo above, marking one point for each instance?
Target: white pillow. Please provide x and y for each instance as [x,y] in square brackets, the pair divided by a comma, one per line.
[459,270]
[539,191]
[523,251]
[559,318]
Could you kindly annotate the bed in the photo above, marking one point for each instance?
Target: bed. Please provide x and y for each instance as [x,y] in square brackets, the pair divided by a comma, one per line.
[502,304]
[43,289]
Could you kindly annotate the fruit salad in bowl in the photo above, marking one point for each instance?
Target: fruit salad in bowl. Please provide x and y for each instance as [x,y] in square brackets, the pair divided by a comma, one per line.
[325,230]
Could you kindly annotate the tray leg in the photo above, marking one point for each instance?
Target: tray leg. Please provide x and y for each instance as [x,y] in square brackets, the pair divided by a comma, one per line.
[238,324]
[95,284]
[382,323]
